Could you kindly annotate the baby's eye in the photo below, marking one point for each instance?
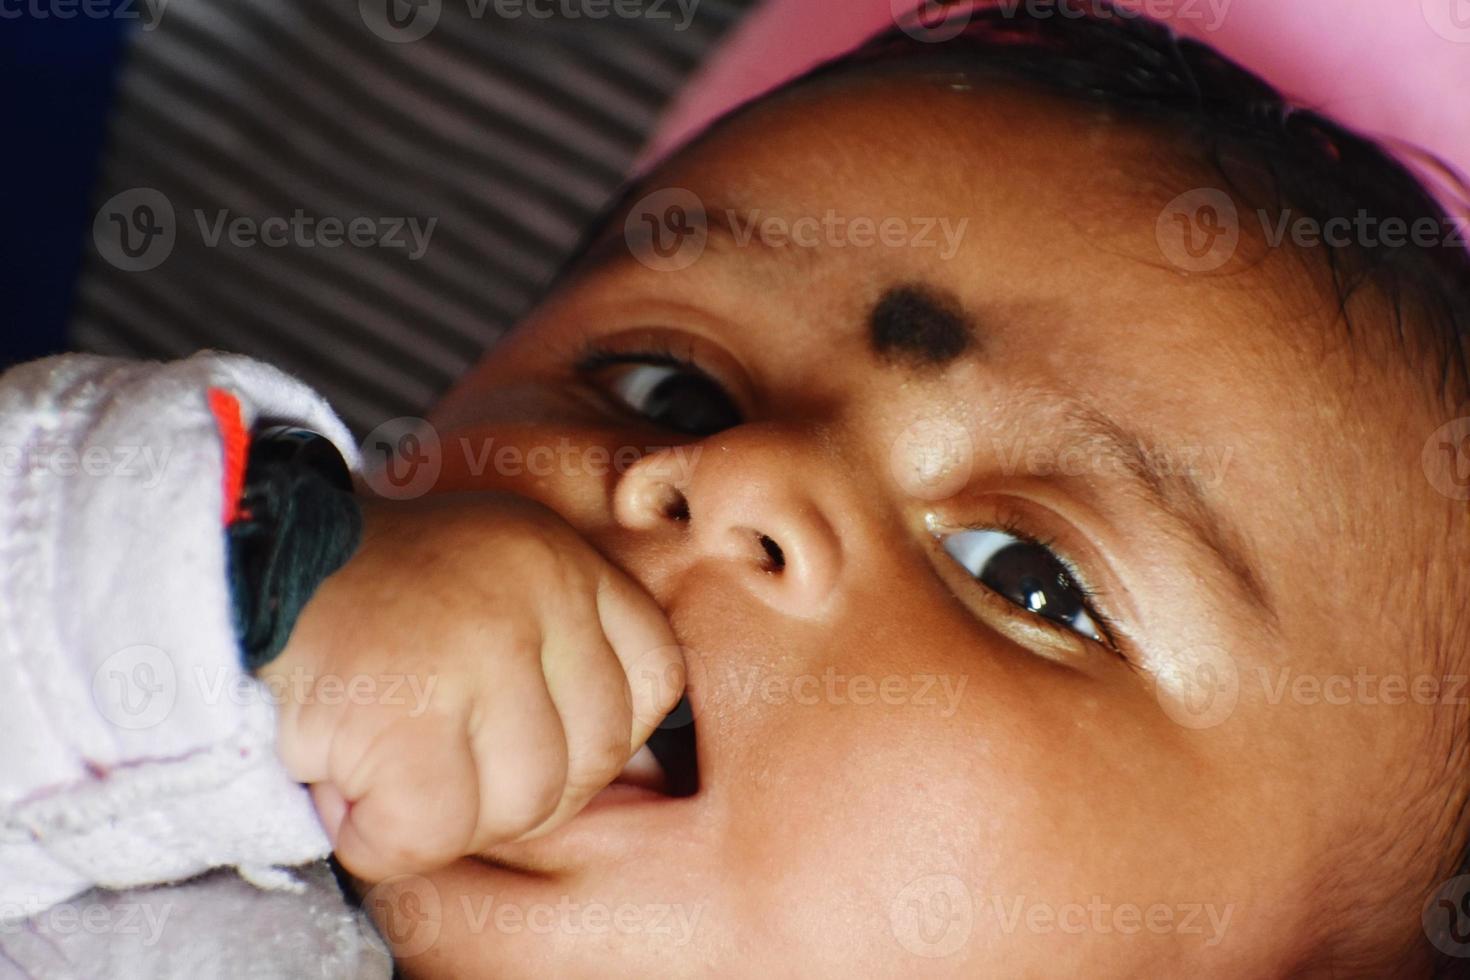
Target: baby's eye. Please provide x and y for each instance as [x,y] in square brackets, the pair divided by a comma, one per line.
[1027,574]
[669,393]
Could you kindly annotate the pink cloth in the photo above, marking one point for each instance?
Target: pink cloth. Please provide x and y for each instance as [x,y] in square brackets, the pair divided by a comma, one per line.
[1394,69]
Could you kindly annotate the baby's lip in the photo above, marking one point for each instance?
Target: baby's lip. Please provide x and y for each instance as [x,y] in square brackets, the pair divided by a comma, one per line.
[644,770]
[660,796]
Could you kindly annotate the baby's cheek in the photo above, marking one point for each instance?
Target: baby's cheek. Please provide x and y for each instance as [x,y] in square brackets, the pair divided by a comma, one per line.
[1029,831]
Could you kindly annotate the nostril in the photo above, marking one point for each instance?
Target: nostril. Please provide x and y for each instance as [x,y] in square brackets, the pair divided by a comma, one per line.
[676,505]
[775,558]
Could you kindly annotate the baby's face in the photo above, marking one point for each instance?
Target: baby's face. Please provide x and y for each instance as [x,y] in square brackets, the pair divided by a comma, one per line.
[1046,608]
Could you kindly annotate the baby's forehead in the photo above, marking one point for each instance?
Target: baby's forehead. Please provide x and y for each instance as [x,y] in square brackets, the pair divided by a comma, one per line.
[1054,227]
[1060,217]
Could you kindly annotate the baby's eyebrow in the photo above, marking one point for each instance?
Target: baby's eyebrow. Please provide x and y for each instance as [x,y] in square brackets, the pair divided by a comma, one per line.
[1175,491]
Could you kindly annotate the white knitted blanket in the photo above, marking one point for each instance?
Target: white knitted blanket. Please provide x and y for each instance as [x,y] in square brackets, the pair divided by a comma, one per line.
[133,749]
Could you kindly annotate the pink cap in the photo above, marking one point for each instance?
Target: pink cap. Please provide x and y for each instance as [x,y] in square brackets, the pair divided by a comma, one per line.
[1398,71]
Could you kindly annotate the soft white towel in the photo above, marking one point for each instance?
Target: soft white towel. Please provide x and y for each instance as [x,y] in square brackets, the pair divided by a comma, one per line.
[133,749]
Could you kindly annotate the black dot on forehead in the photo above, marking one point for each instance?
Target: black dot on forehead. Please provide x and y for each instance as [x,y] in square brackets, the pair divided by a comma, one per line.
[920,326]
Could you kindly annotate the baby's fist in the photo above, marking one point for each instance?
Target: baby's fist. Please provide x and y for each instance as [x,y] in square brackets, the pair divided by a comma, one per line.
[473,676]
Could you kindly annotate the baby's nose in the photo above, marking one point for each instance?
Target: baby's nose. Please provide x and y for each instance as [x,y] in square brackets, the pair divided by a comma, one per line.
[741,498]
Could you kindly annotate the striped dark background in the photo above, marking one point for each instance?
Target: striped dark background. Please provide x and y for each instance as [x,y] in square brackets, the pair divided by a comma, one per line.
[511,132]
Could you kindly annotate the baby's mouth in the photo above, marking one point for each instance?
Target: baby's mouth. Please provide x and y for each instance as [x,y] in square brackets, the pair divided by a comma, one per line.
[668,763]
[663,780]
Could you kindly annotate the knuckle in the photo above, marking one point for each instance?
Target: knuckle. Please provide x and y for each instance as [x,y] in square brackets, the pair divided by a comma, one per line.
[406,858]
[385,847]
[532,550]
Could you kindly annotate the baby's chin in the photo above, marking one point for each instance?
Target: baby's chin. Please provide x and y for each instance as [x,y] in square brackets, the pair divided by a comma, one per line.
[584,901]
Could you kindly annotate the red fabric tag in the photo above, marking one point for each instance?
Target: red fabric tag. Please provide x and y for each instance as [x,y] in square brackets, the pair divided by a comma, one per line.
[235,443]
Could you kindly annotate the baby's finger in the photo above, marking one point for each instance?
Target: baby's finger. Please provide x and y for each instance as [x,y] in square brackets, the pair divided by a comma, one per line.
[520,751]
[644,643]
[587,684]
[412,798]
[304,738]
[331,808]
